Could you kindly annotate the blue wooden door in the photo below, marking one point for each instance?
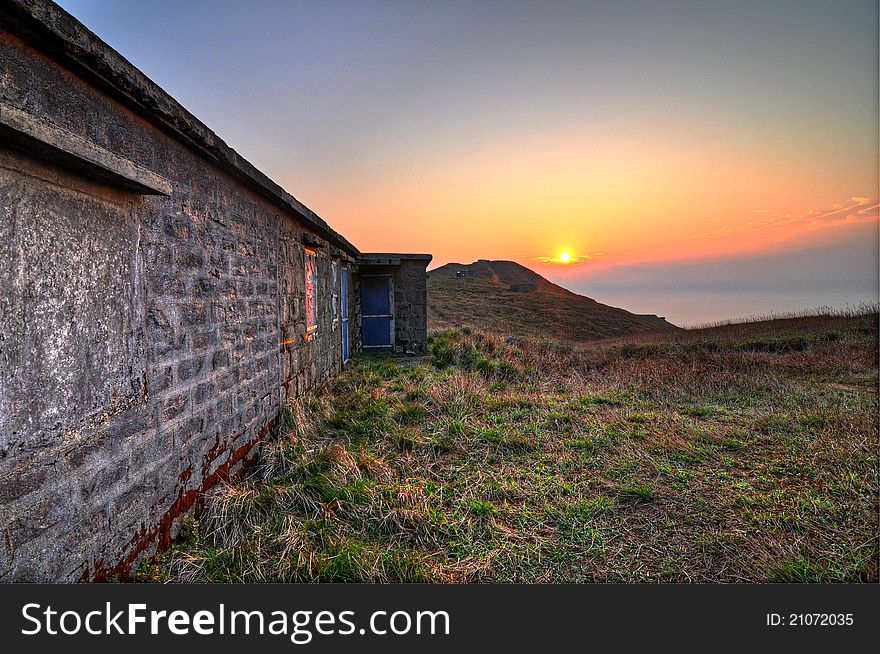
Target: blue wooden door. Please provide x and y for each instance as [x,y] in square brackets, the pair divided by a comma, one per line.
[344,299]
[376,312]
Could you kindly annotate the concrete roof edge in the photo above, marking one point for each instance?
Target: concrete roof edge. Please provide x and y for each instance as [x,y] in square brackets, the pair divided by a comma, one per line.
[394,255]
[49,28]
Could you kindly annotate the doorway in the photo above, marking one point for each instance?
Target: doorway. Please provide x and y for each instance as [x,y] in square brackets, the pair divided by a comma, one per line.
[377,312]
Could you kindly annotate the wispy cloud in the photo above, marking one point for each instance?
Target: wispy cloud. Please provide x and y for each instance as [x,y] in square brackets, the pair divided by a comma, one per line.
[573,259]
[855,210]
[858,209]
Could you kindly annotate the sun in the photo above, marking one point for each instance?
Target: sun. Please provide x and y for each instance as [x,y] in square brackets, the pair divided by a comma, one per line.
[564,258]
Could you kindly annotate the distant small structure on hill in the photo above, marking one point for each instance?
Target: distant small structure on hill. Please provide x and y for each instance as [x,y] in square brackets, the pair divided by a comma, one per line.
[465,273]
[523,288]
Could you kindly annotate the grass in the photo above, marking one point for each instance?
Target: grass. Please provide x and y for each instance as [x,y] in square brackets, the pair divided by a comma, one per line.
[727,454]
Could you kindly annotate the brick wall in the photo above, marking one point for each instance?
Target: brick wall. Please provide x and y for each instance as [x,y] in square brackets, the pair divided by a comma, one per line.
[147,342]
[410,305]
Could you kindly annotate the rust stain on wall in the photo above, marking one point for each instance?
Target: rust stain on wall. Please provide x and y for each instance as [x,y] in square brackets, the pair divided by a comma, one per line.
[183,295]
[186,500]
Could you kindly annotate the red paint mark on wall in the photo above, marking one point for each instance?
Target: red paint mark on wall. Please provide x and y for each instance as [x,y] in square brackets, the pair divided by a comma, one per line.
[186,500]
[311,291]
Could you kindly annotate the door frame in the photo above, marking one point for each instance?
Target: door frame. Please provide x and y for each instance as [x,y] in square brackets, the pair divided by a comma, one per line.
[344,291]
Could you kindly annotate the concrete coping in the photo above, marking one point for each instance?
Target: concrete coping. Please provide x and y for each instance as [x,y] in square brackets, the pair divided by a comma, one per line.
[391,259]
[73,151]
[54,32]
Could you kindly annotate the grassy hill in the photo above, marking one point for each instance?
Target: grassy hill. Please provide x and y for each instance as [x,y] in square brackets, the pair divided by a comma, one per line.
[738,453]
[507,298]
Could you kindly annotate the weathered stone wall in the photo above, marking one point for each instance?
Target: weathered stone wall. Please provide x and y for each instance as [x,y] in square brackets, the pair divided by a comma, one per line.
[410,307]
[409,289]
[147,342]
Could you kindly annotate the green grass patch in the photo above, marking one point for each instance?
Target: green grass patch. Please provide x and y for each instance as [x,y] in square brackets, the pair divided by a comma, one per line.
[733,453]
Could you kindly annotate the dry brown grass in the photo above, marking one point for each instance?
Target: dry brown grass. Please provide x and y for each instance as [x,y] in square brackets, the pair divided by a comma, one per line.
[736,453]
[487,304]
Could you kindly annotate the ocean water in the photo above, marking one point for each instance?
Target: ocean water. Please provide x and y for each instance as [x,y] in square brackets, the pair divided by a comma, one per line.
[693,308]
[840,274]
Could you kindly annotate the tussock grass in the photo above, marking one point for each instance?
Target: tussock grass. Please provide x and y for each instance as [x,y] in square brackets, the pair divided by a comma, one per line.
[732,453]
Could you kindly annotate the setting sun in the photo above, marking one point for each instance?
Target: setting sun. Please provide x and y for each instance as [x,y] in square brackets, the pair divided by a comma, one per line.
[565,257]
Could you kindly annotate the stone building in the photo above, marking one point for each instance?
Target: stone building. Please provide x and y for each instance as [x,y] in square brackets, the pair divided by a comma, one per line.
[160,301]
[394,312]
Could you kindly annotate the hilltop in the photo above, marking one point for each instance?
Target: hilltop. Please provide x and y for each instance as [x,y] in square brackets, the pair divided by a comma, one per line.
[508,298]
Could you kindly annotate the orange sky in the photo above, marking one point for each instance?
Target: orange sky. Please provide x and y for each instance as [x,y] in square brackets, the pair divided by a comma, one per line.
[629,133]
[617,202]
